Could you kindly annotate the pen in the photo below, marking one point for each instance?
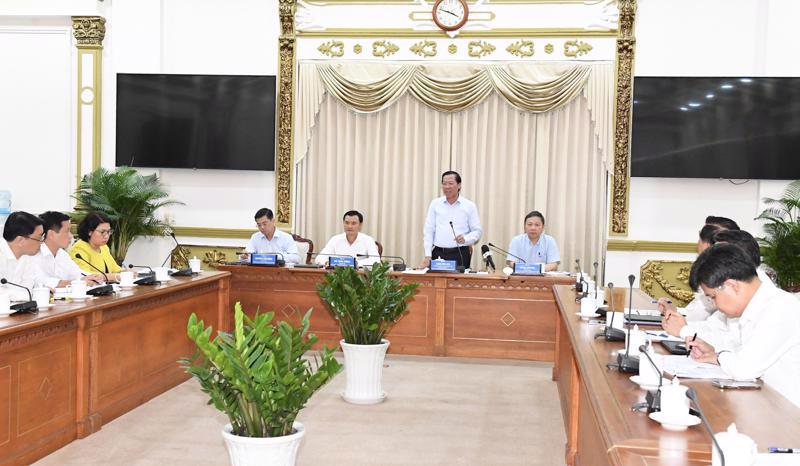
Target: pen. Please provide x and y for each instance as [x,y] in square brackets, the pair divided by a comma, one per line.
[689,349]
[783,450]
[656,302]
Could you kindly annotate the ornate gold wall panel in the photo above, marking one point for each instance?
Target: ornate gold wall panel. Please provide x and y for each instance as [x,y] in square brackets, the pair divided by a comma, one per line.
[620,186]
[667,279]
[651,246]
[284,159]
[209,255]
[89,32]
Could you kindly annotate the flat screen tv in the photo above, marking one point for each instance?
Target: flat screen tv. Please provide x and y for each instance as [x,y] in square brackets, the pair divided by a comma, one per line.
[196,121]
[734,128]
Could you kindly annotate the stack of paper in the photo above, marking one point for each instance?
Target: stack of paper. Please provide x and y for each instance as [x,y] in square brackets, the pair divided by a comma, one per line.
[688,368]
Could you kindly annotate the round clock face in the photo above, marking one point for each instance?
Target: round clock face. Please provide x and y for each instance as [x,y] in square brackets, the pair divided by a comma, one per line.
[450,15]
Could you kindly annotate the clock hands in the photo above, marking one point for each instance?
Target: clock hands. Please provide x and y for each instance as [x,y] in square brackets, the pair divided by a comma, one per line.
[448,11]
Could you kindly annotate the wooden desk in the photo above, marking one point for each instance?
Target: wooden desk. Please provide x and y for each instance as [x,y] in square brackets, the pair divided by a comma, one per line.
[78,365]
[602,429]
[451,314]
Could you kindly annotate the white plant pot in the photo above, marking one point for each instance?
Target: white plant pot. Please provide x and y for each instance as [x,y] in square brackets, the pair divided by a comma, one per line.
[363,366]
[268,451]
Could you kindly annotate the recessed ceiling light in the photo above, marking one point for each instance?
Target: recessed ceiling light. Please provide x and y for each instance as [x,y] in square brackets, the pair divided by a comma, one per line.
[727,86]
[636,101]
[709,96]
[746,80]
[685,109]
[694,104]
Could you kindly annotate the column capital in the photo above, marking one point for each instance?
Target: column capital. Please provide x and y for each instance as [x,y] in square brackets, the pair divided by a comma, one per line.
[89,31]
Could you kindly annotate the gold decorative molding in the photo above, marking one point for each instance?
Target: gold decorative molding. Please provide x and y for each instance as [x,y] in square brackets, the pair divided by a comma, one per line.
[384,48]
[284,157]
[201,232]
[623,99]
[651,246]
[89,31]
[452,48]
[479,48]
[576,48]
[357,49]
[332,48]
[425,48]
[416,2]
[548,49]
[427,34]
[661,279]
[521,48]
[179,257]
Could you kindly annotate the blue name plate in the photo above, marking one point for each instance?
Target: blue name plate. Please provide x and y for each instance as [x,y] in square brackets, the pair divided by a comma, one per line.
[336,261]
[441,265]
[258,258]
[527,269]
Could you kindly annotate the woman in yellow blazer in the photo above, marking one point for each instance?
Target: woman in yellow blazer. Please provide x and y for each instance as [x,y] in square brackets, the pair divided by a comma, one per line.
[94,232]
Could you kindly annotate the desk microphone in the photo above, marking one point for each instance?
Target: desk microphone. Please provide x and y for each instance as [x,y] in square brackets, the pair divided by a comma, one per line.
[144,279]
[595,264]
[692,395]
[610,333]
[78,256]
[396,267]
[487,257]
[653,398]
[491,245]
[463,265]
[626,362]
[579,283]
[29,307]
[185,272]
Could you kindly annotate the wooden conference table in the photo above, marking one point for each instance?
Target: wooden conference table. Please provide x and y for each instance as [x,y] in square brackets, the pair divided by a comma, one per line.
[78,365]
[601,428]
[492,316]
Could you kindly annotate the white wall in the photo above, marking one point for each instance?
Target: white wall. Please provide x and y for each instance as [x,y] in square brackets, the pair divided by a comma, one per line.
[704,38]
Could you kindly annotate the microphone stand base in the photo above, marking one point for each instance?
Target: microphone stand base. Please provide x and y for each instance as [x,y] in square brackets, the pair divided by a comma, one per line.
[398,267]
[653,400]
[627,363]
[28,307]
[187,272]
[613,334]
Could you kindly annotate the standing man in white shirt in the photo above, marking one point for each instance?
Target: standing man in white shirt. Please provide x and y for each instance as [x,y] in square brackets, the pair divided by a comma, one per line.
[269,239]
[22,236]
[769,321]
[452,224]
[54,266]
[351,243]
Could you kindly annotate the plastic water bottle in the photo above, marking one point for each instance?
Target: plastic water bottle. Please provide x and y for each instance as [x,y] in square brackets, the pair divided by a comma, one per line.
[5,207]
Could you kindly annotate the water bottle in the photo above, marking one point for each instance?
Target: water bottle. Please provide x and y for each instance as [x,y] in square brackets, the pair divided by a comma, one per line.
[5,207]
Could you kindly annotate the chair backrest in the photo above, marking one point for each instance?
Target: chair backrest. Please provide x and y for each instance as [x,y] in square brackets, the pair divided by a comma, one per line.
[380,248]
[304,246]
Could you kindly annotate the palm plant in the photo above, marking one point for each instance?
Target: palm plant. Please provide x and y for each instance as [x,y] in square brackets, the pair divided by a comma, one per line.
[129,199]
[258,375]
[366,305]
[780,247]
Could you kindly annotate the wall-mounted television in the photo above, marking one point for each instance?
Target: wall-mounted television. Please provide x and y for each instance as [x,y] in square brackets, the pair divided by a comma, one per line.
[196,121]
[720,127]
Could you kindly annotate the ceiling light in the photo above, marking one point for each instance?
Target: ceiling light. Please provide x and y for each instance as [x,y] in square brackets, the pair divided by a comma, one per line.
[685,109]
[709,96]
[746,80]
[726,86]
[694,104]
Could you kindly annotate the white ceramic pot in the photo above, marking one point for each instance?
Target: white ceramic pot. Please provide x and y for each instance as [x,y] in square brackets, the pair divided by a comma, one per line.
[269,451]
[363,366]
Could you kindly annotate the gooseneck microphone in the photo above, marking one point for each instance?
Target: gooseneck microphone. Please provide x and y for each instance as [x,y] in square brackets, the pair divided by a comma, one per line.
[396,267]
[78,256]
[458,247]
[487,257]
[24,307]
[148,278]
[609,332]
[491,245]
[595,264]
[653,398]
[626,362]
[692,395]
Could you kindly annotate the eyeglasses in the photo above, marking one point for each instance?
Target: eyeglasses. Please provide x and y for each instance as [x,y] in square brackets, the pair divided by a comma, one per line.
[105,232]
[40,239]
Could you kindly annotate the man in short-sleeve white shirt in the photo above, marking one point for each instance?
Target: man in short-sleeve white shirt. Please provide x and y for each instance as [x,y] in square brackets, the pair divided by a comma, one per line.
[351,243]
[22,235]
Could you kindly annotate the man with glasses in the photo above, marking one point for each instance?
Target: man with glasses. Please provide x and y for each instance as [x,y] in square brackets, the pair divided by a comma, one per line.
[769,321]
[22,236]
[55,268]
[269,239]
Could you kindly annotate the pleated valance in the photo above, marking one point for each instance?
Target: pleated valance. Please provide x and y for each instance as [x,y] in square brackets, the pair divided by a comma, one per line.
[454,87]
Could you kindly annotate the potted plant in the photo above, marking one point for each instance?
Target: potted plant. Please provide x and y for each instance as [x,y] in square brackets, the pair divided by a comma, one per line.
[780,247]
[258,376]
[366,305]
[129,199]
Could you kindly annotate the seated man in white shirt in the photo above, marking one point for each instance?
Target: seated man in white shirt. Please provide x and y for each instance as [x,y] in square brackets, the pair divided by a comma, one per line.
[269,239]
[769,321]
[22,236]
[351,243]
[54,266]
[718,329]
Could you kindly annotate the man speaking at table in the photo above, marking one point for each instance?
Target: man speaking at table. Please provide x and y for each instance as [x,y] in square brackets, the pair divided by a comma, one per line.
[452,224]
